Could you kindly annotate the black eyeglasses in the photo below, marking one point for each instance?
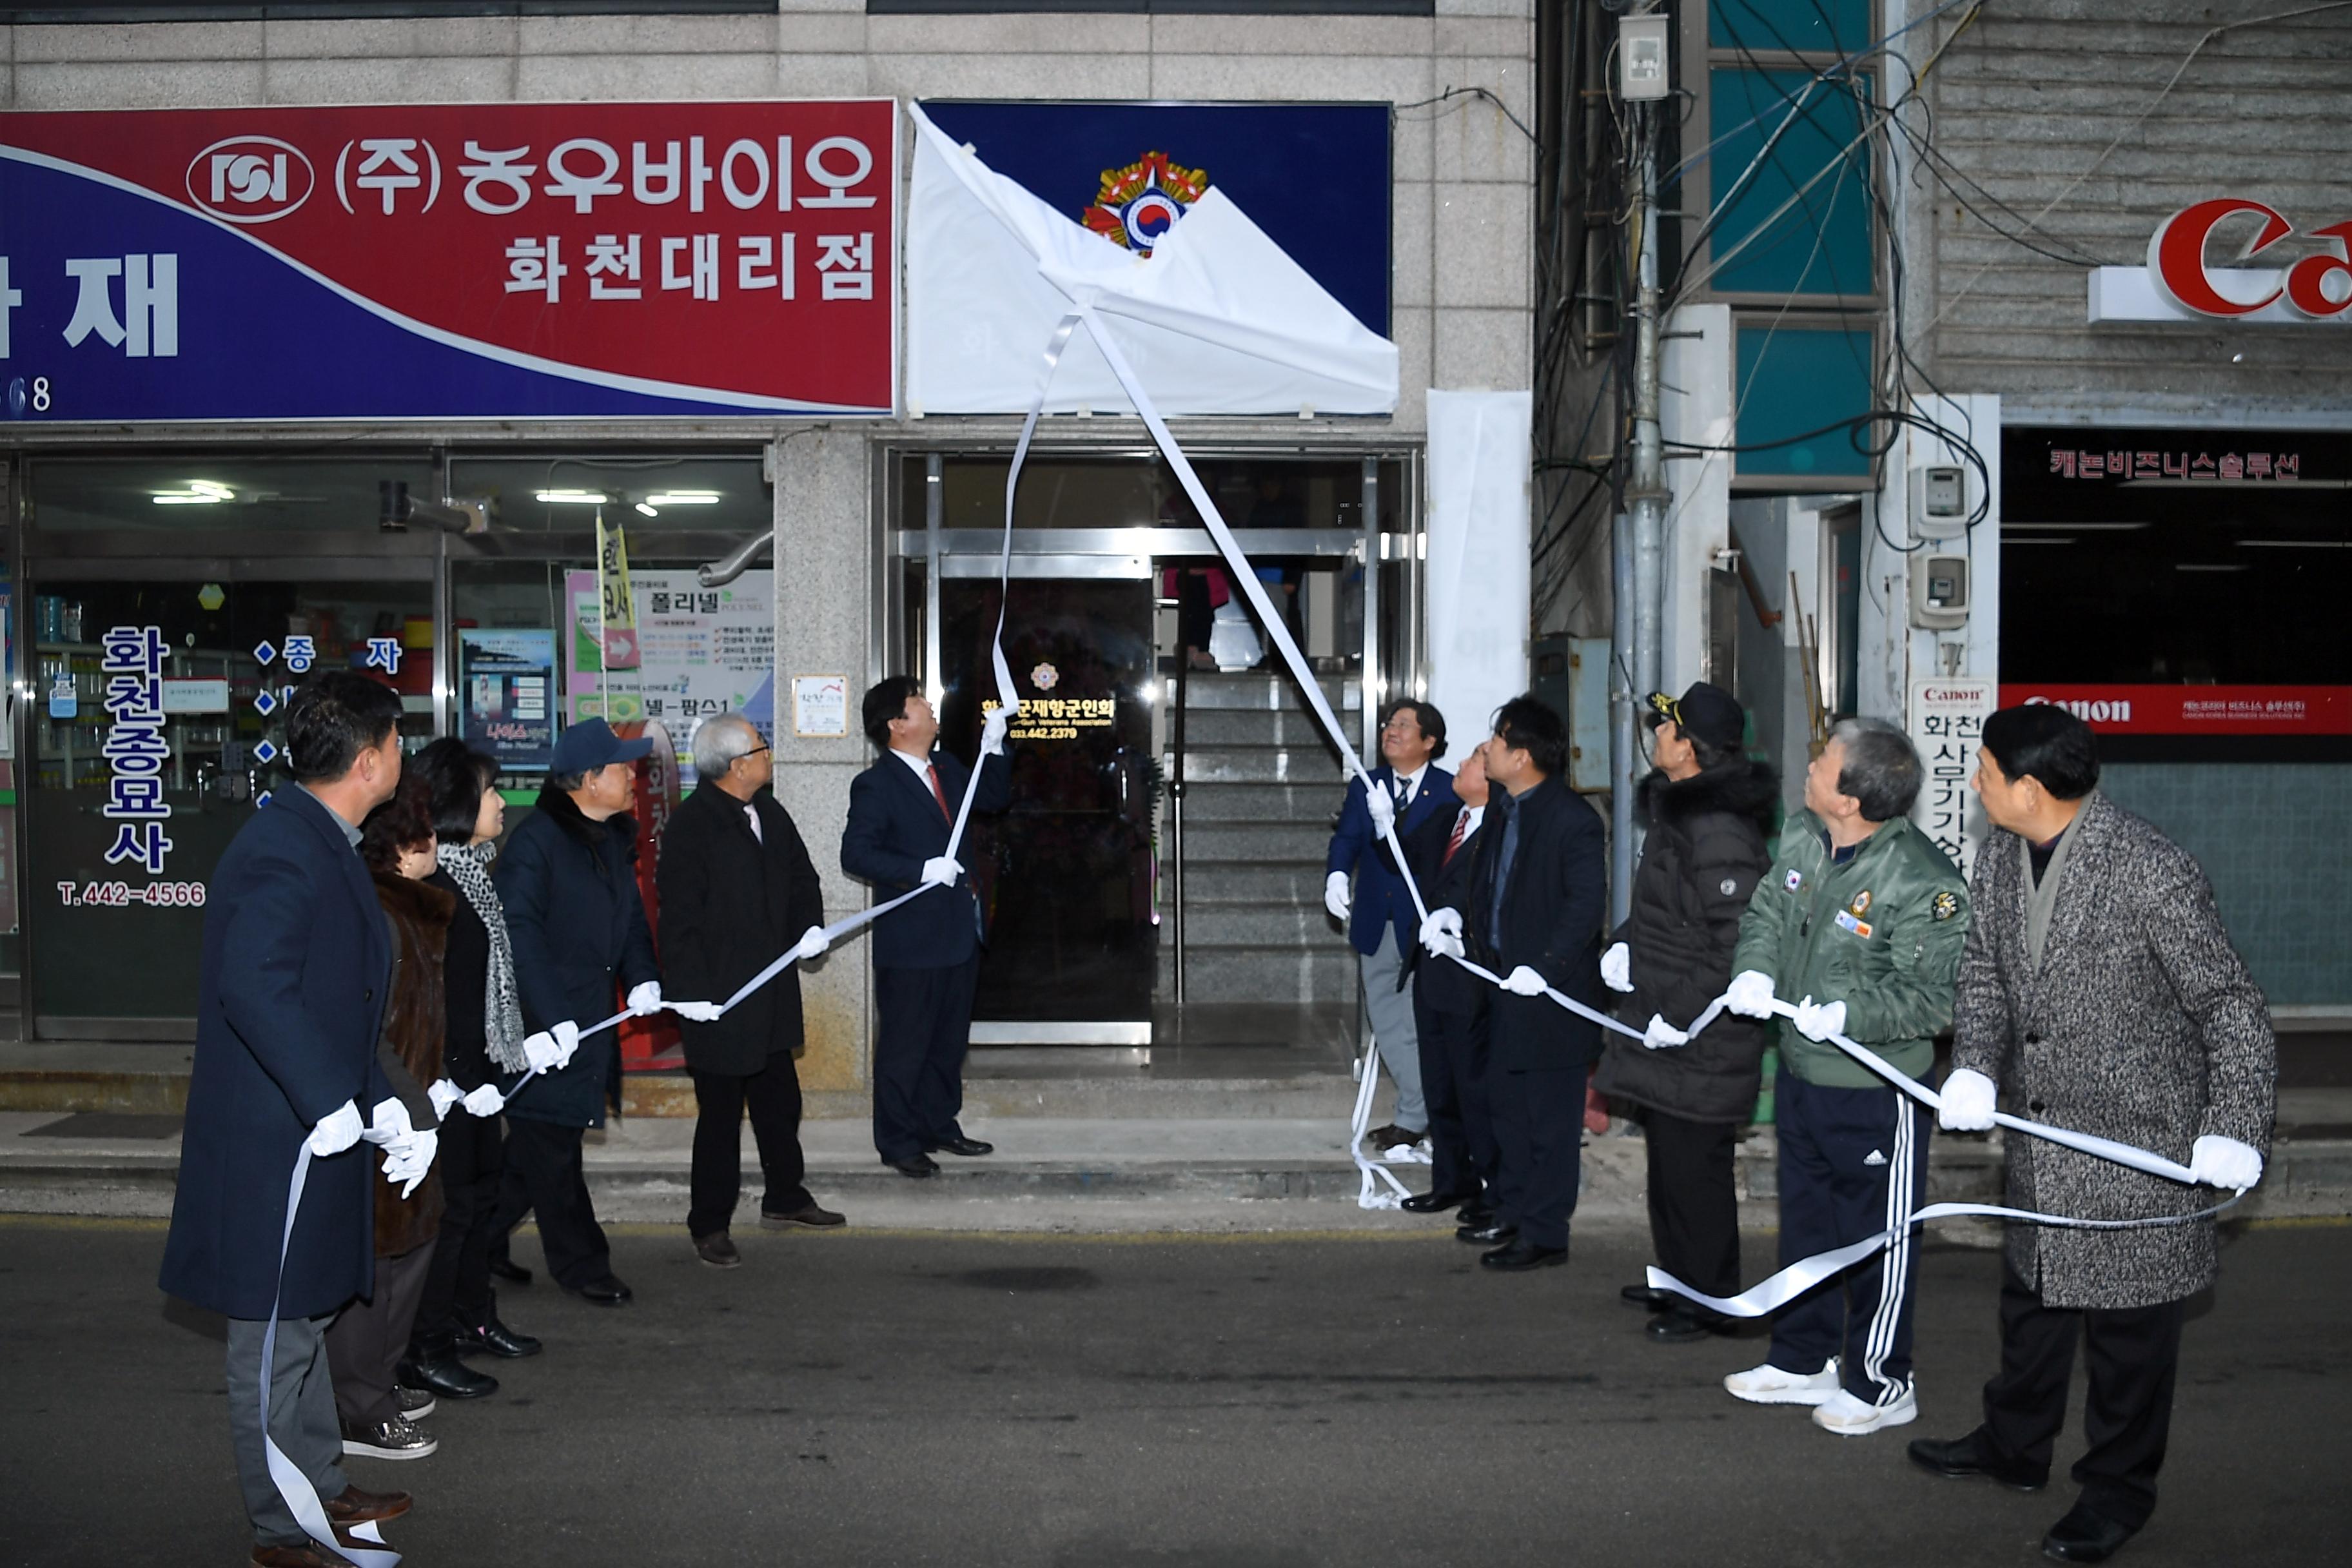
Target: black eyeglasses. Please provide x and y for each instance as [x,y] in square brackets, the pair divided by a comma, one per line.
[753,752]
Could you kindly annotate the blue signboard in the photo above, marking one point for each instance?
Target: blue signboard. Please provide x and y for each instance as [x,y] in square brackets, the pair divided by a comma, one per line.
[1314,176]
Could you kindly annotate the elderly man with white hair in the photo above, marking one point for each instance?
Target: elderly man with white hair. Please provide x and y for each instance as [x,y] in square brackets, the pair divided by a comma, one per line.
[738,888]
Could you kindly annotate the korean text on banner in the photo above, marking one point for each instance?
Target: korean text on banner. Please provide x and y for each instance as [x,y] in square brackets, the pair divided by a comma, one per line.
[473,261]
[1947,723]
[616,609]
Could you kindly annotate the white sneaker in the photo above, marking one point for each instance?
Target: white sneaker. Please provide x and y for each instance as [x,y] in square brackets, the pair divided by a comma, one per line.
[1847,1417]
[1770,1384]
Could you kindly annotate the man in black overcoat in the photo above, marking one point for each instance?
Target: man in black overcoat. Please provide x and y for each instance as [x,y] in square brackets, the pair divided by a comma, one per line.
[1538,890]
[738,889]
[296,962]
[1449,1008]
[927,952]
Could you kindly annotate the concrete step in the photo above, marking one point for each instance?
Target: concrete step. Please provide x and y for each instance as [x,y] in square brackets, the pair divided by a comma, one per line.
[1210,924]
[1205,727]
[1253,972]
[1316,806]
[1265,693]
[1234,763]
[1253,842]
[1298,882]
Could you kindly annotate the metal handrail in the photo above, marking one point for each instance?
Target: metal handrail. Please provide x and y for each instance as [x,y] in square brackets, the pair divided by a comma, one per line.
[1176,816]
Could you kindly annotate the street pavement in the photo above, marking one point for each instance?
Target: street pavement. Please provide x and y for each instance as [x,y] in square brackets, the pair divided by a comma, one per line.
[1204,1401]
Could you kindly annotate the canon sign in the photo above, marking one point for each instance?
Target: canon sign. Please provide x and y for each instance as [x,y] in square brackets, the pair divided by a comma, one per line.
[2317,286]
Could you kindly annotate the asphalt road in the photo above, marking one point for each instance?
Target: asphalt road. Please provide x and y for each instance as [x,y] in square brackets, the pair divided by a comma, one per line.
[1149,1403]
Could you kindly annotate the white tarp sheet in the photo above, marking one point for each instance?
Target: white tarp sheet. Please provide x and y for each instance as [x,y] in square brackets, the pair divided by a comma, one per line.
[1481,444]
[1218,320]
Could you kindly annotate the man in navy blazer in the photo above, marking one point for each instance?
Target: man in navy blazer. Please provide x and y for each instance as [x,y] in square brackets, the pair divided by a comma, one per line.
[296,962]
[1380,920]
[902,811]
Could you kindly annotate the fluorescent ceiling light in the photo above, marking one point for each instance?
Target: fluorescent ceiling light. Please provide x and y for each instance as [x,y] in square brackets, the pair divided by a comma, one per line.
[2039,540]
[2076,527]
[575,498]
[684,498]
[2296,543]
[2209,567]
[200,492]
[648,510]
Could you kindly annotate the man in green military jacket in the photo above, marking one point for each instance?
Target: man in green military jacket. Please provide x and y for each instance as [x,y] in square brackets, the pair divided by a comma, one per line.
[1859,924]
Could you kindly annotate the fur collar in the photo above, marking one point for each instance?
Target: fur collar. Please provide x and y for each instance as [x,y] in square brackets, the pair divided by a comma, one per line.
[568,815]
[410,899]
[1740,787]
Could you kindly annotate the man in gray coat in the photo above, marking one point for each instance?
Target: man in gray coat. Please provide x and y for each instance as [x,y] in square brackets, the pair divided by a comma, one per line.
[2098,987]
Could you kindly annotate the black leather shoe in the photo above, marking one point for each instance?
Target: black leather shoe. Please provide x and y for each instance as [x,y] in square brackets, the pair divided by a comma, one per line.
[968,1147]
[606,1292]
[1475,1215]
[1961,1458]
[1647,1298]
[2084,1536]
[1679,1326]
[510,1271]
[1520,1253]
[920,1167]
[495,1338]
[441,1372]
[1493,1233]
[1430,1203]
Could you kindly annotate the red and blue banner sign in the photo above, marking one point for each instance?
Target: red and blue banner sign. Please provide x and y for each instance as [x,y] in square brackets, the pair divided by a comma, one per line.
[1314,176]
[449,262]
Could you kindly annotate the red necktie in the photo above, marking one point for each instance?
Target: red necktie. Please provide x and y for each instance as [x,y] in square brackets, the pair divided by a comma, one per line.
[932,773]
[1453,845]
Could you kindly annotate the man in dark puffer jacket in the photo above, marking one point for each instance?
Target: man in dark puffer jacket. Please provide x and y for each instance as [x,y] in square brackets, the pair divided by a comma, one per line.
[1707,808]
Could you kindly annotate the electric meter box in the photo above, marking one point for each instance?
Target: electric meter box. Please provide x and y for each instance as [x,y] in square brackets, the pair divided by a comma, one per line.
[1939,591]
[1939,500]
[1642,63]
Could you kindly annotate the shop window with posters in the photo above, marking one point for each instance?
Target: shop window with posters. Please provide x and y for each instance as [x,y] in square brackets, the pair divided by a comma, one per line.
[2183,590]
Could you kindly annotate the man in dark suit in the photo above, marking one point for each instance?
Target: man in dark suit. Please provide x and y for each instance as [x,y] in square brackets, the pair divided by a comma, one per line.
[1449,1010]
[1538,890]
[902,811]
[737,890]
[296,962]
[1410,789]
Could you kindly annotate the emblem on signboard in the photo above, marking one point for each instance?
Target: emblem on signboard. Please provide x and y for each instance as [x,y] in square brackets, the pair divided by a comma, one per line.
[1139,204]
[1045,677]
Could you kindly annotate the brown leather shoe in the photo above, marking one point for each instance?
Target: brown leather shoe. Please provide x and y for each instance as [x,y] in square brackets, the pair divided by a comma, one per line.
[309,1555]
[716,1250]
[356,1507]
[815,1216]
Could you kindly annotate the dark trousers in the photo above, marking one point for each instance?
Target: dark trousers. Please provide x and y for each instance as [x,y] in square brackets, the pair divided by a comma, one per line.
[923,1026]
[301,1420]
[543,1175]
[2132,1353]
[1853,1161]
[1694,1205]
[1539,1145]
[1453,1085]
[773,1095]
[458,1285]
[368,1338]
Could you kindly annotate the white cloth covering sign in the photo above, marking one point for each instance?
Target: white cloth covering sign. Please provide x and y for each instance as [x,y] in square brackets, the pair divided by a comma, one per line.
[1480,448]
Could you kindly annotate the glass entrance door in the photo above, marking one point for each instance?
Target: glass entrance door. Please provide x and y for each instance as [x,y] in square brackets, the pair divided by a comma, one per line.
[1069,871]
[158,724]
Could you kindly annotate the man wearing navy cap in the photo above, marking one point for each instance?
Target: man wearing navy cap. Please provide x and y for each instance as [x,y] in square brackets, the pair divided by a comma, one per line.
[568,878]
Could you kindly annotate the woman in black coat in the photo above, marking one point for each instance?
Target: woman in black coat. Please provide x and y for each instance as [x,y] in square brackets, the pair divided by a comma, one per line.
[484,1038]
[1707,806]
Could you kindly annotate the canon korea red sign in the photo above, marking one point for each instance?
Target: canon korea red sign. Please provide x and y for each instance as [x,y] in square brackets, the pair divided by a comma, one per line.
[2318,286]
[2134,709]
[451,261]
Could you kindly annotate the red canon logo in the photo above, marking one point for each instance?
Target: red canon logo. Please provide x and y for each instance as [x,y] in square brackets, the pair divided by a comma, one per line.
[2317,286]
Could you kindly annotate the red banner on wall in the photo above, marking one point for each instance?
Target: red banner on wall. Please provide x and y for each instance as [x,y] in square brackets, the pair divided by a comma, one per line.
[450,260]
[2197,710]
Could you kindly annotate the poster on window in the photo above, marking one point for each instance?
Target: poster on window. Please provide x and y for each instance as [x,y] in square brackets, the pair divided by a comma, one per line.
[507,704]
[700,652]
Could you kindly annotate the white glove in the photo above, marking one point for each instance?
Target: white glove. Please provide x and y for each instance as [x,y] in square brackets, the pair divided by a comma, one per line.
[551,1049]
[1382,806]
[992,731]
[1819,1020]
[407,1161]
[2219,1161]
[1336,897]
[813,943]
[1524,981]
[1441,934]
[700,1012]
[1660,1034]
[338,1132]
[567,1041]
[942,869]
[485,1101]
[1617,969]
[645,998]
[1968,1098]
[1750,993]
[388,1124]
[443,1095]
